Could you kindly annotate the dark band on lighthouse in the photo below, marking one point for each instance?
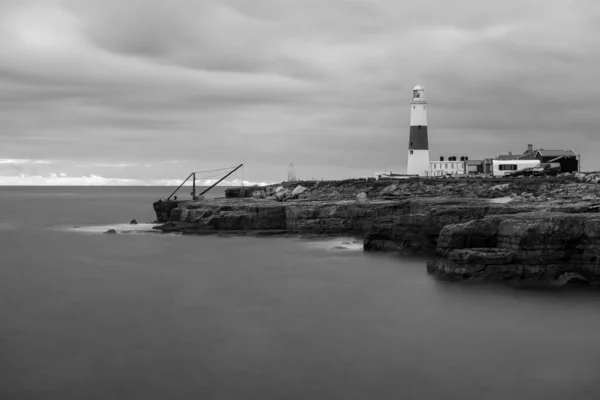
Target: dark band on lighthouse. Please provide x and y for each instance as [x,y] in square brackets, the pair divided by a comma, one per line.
[418,138]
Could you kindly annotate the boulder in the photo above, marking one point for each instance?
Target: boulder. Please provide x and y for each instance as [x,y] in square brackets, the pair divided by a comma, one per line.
[259,194]
[133,222]
[279,189]
[298,190]
[361,197]
[388,190]
[111,231]
[501,187]
[283,195]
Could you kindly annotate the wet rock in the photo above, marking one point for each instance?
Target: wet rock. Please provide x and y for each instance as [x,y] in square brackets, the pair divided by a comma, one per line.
[111,231]
[133,222]
[569,277]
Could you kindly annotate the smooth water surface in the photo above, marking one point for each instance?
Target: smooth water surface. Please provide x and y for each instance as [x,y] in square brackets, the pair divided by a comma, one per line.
[150,316]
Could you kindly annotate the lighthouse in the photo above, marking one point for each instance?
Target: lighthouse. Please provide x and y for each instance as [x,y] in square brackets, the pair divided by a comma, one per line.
[418,145]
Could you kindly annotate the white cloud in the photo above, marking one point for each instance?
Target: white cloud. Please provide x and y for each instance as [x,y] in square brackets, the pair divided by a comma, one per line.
[23,161]
[206,182]
[62,179]
[109,165]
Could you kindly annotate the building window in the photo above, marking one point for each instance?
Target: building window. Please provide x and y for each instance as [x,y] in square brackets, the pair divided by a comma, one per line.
[507,167]
[446,166]
[411,152]
[414,107]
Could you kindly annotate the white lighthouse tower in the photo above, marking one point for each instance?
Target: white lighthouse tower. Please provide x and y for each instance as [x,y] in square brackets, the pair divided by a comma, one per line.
[418,144]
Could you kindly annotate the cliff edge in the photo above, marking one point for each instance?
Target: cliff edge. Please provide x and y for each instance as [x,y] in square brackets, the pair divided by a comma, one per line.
[533,230]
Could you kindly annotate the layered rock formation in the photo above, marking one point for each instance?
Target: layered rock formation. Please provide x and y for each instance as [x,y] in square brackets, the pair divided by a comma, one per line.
[534,246]
[547,232]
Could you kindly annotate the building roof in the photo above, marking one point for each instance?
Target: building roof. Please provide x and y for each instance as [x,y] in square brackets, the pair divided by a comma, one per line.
[549,153]
[557,153]
[508,157]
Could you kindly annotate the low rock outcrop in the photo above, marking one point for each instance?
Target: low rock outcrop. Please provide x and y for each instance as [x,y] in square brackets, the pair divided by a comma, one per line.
[534,246]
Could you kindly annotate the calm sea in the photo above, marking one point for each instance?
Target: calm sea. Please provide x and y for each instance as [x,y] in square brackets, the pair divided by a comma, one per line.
[148,316]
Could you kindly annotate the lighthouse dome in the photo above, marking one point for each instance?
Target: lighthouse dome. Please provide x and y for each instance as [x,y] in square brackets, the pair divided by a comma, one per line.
[418,87]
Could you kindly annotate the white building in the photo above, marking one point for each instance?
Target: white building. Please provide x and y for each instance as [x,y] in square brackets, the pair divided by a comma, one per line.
[506,167]
[447,167]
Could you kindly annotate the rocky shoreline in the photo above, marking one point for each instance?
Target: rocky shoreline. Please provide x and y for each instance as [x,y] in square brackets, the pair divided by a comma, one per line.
[525,230]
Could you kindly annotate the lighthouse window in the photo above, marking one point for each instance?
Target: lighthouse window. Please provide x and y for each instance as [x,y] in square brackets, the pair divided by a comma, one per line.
[414,107]
[411,152]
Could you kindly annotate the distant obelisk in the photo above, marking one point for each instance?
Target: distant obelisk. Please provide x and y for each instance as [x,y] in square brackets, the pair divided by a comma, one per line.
[418,144]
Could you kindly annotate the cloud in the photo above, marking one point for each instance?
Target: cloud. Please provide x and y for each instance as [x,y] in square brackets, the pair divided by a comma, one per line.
[106,88]
[117,165]
[61,179]
[207,182]
[23,161]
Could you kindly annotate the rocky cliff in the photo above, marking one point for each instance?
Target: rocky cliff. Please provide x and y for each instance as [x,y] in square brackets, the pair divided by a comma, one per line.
[547,231]
[534,246]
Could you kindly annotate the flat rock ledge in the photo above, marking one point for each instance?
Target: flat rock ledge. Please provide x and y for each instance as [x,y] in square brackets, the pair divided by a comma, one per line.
[470,238]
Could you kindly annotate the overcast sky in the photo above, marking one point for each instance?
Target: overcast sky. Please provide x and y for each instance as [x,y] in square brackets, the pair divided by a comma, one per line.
[146,91]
